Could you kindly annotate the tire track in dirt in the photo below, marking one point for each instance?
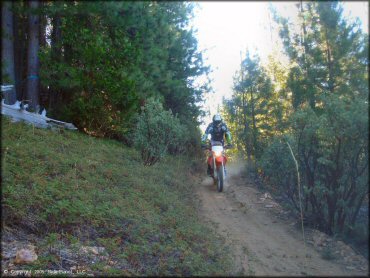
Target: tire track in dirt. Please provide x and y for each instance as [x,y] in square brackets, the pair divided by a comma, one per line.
[262,244]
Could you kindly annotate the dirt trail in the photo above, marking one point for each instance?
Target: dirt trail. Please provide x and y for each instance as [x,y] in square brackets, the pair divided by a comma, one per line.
[262,243]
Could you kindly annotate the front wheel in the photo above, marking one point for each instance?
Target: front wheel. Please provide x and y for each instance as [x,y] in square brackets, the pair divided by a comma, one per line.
[220,178]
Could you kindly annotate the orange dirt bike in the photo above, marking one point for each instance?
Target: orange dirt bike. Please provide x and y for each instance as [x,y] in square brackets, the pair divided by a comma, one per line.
[217,161]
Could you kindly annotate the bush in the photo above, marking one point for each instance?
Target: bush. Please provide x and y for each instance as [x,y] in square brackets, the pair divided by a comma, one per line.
[331,147]
[279,169]
[190,140]
[157,130]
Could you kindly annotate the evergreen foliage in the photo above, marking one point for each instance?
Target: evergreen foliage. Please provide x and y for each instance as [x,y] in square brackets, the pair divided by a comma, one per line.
[320,105]
[99,61]
[250,105]
[157,130]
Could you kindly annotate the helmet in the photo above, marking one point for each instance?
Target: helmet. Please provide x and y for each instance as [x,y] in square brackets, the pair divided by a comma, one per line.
[217,119]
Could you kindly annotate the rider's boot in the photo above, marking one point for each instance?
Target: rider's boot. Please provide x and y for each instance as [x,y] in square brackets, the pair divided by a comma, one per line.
[209,170]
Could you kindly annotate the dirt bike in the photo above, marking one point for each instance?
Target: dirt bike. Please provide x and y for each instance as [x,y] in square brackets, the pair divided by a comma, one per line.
[217,161]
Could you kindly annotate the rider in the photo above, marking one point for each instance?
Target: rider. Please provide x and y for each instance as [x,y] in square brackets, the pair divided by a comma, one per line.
[218,131]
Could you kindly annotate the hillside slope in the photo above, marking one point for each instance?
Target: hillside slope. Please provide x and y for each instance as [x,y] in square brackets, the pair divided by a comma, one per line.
[66,193]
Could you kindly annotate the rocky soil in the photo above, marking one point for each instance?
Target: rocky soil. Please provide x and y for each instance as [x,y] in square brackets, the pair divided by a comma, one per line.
[266,240]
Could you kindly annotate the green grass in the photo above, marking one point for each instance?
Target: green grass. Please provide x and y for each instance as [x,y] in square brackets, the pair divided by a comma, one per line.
[67,186]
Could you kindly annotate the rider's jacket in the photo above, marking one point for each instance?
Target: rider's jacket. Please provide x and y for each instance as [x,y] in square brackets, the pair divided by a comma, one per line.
[217,133]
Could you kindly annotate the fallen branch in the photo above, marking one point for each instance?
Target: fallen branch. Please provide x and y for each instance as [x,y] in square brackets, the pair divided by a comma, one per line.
[18,113]
[299,196]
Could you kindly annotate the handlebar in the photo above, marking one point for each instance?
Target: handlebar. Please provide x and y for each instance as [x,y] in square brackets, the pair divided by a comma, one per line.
[209,147]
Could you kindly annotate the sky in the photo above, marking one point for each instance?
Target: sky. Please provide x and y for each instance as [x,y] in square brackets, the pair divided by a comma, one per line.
[225,29]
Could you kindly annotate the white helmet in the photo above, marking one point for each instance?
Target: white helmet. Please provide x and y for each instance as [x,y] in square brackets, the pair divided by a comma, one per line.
[217,119]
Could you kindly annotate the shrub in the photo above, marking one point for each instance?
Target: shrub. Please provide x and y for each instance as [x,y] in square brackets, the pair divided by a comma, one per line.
[278,167]
[331,147]
[156,131]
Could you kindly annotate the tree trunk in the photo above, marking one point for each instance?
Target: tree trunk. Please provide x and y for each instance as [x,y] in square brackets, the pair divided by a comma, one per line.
[20,43]
[7,53]
[254,131]
[56,53]
[42,25]
[330,63]
[311,96]
[33,81]
[357,209]
[44,93]
[331,212]
[244,111]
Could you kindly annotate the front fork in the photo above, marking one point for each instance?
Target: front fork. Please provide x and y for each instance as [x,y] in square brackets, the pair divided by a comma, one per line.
[215,167]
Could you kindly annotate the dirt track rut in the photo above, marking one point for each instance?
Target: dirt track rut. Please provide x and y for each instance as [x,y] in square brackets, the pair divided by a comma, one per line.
[262,243]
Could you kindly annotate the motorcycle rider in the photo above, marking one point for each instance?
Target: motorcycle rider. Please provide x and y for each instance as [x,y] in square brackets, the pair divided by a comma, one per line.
[218,130]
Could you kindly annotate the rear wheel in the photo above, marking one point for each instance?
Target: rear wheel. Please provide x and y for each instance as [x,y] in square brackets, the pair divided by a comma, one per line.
[220,178]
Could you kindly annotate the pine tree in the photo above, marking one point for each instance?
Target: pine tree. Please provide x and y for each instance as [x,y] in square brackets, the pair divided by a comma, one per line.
[250,104]
[7,51]
[106,58]
[328,80]
[32,57]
